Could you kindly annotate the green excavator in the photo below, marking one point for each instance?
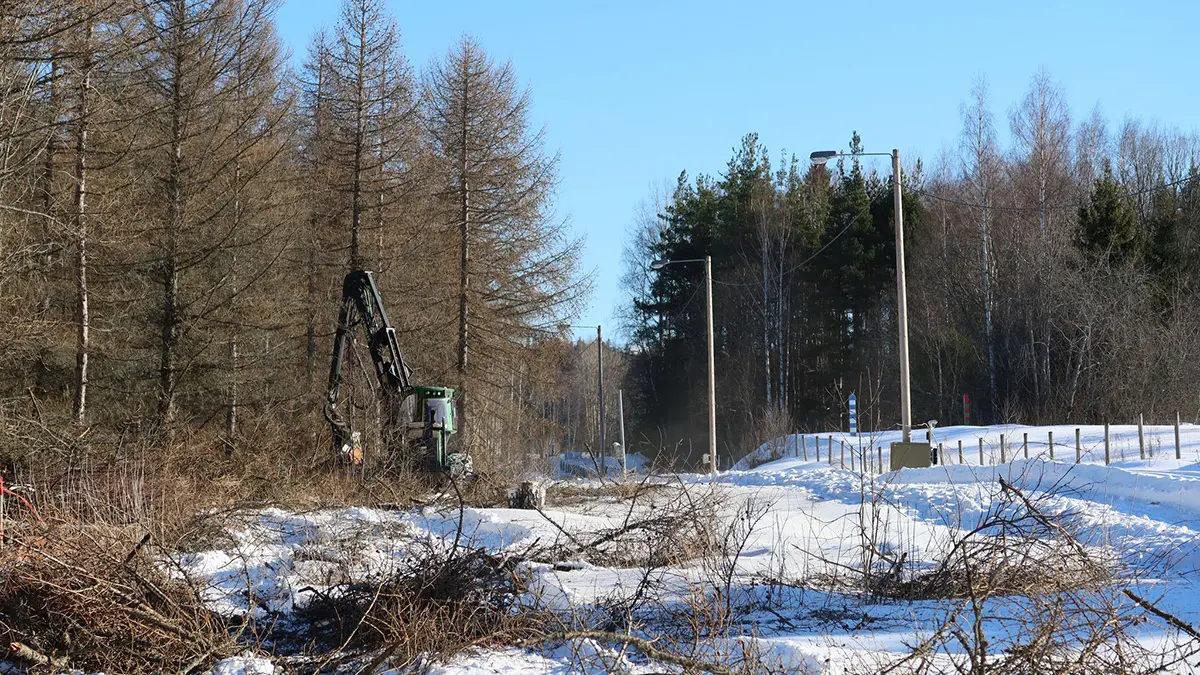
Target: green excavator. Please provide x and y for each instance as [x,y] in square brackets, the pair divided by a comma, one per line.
[419,420]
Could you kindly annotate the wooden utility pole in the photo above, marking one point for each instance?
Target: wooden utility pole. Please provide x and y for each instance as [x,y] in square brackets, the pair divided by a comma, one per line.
[600,397]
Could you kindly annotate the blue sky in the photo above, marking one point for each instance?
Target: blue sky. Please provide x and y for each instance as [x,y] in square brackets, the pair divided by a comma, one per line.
[632,93]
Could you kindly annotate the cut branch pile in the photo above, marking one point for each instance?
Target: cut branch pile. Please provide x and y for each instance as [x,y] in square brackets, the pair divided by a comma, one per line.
[436,604]
[91,599]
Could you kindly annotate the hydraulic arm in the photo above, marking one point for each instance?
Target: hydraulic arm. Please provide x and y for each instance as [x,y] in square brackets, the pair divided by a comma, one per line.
[426,425]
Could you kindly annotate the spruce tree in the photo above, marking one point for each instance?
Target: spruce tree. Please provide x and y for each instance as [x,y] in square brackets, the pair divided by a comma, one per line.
[1108,229]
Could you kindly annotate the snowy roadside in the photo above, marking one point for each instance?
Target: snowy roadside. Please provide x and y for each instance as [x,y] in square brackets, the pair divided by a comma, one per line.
[777,584]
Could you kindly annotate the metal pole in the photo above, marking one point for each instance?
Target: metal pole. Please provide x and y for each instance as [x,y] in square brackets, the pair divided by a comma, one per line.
[712,375]
[1178,449]
[901,303]
[600,397]
[1107,453]
[1141,439]
[621,417]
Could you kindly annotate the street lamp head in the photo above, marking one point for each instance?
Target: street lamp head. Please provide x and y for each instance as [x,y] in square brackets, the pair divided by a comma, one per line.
[659,264]
[821,156]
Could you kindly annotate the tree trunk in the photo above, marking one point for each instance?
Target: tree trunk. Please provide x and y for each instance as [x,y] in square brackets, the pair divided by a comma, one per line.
[464,281]
[464,232]
[82,342]
[170,275]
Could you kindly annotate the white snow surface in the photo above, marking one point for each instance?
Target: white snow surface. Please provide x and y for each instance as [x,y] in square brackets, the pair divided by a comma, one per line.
[1144,512]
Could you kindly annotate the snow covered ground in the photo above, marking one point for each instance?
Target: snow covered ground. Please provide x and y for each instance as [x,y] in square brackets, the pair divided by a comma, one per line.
[788,527]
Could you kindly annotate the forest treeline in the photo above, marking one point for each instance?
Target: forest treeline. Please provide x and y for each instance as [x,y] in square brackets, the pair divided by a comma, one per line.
[1053,280]
[179,206]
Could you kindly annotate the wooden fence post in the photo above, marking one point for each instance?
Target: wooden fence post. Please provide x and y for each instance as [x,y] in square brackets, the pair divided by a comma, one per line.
[1025,445]
[1141,439]
[804,443]
[1051,435]
[830,449]
[960,457]
[1178,447]
[880,448]
[941,455]
[1078,447]
[1107,453]
[817,446]
[842,457]
[981,451]
[1002,460]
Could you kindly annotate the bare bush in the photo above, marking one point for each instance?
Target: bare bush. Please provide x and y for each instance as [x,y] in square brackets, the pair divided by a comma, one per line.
[436,604]
[1019,593]
[92,598]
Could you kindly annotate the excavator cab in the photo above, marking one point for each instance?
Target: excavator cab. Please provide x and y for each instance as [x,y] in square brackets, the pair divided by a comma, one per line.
[435,424]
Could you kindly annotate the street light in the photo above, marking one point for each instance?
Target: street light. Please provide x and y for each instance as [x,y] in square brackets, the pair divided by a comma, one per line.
[712,377]
[819,158]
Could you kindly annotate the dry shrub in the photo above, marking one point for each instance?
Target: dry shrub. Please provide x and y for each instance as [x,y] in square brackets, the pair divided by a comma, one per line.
[1020,594]
[91,598]
[436,604]
[661,525]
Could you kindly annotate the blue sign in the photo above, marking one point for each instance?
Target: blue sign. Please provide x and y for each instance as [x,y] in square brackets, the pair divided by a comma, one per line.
[853,415]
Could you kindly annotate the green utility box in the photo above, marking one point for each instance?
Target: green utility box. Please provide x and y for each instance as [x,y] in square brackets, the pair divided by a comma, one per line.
[910,456]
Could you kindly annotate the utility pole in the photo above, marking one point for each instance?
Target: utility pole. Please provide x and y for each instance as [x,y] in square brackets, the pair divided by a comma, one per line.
[600,397]
[621,417]
[712,369]
[901,304]
[819,158]
[712,377]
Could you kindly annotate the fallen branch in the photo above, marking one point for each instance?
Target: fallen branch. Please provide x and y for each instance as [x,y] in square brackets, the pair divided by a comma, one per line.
[26,654]
[1165,616]
[645,646]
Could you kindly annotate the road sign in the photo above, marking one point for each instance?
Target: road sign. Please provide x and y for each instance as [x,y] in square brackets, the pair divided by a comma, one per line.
[853,415]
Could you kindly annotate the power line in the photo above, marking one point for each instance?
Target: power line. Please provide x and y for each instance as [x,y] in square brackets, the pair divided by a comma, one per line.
[800,264]
[923,193]
[1074,206]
